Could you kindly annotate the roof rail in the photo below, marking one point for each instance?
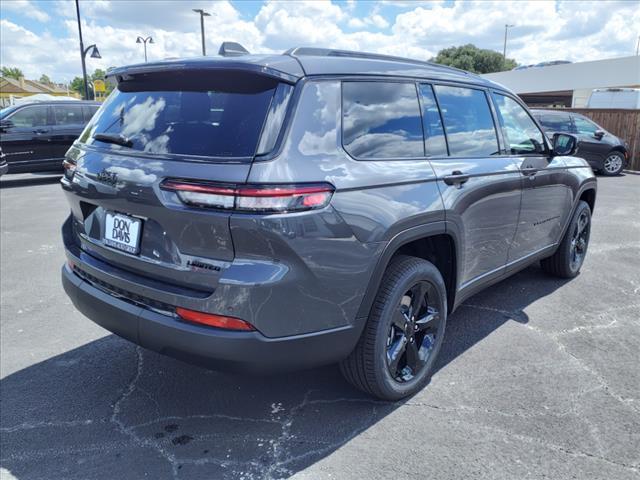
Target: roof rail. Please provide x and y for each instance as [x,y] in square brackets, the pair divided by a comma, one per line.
[329,52]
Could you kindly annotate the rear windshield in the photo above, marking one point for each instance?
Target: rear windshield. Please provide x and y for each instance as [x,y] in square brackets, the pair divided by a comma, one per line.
[201,115]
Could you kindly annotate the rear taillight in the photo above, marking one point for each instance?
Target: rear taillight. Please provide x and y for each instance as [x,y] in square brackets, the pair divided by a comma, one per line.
[251,198]
[69,168]
[211,320]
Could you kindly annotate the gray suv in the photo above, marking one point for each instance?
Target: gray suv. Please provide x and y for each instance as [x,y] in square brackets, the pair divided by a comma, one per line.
[275,212]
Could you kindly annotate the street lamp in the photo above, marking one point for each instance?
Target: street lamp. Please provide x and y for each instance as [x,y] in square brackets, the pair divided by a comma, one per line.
[504,50]
[144,41]
[83,53]
[202,15]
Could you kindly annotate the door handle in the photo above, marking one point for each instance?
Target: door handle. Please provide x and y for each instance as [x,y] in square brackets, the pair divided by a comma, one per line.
[456,178]
[529,171]
[40,131]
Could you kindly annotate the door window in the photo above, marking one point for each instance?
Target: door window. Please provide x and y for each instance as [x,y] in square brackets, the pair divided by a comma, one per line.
[520,131]
[584,126]
[68,114]
[89,111]
[381,120]
[30,117]
[556,123]
[467,121]
[434,141]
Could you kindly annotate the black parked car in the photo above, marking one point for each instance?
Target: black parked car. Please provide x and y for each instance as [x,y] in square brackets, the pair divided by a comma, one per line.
[278,212]
[34,137]
[606,153]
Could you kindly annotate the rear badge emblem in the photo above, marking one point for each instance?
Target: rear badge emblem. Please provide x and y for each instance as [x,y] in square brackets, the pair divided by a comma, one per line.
[105,176]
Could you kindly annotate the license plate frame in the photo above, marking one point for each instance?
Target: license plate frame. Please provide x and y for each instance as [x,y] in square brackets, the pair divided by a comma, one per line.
[122,232]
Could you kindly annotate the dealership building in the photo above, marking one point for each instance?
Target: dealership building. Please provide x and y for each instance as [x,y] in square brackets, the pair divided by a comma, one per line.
[570,84]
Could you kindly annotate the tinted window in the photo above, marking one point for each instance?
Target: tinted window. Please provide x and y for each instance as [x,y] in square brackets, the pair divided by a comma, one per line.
[555,122]
[30,117]
[520,131]
[197,115]
[584,126]
[381,120]
[89,111]
[68,114]
[434,142]
[467,121]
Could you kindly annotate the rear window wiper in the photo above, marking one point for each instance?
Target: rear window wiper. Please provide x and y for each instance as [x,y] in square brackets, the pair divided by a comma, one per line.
[113,138]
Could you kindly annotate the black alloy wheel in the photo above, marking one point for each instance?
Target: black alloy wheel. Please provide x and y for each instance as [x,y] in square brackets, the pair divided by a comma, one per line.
[580,240]
[412,333]
[400,342]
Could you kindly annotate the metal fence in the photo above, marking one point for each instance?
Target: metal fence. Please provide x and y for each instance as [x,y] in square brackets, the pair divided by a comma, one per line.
[622,123]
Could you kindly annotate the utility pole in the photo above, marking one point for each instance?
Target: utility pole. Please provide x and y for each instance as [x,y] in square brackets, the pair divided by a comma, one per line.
[83,53]
[504,50]
[84,67]
[202,15]
[638,46]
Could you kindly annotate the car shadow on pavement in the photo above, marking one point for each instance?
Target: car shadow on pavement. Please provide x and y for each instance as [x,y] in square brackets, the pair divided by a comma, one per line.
[31,180]
[109,409]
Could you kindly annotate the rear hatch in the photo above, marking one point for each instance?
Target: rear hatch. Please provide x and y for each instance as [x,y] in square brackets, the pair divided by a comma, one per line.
[195,125]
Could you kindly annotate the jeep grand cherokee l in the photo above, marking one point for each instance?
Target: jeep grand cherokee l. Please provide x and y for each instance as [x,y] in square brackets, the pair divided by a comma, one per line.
[278,212]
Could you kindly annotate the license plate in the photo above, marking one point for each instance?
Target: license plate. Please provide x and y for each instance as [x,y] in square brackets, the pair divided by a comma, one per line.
[122,232]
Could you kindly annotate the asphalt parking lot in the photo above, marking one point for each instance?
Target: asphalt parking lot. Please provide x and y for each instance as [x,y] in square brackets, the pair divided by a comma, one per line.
[538,378]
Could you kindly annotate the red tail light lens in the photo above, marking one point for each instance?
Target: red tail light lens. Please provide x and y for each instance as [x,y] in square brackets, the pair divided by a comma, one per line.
[218,321]
[252,198]
[69,168]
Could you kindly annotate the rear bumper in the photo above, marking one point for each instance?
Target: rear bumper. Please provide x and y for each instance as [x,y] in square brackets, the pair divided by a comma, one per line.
[215,348]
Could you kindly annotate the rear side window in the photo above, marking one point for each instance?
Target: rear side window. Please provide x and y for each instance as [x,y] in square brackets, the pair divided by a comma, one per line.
[28,117]
[68,115]
[467,121]
[435,144]
[555,123]
[193,114]
[584,126]
[381,120]
[520,131]
[89,111]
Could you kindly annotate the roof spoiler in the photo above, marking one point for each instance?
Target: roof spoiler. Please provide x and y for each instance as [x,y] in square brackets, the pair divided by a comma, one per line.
[232,49]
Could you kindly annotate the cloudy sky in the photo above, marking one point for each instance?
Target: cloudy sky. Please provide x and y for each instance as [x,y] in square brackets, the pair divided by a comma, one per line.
[41,36]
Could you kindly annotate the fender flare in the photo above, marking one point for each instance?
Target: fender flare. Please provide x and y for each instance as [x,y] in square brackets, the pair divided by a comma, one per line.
[400,239]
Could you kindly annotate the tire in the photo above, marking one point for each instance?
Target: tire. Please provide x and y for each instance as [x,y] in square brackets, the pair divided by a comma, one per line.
[613,164]
[379,352]
[570,255]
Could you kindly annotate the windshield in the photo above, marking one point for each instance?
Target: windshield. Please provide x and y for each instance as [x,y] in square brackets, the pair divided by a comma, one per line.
[6,111]
[193,117]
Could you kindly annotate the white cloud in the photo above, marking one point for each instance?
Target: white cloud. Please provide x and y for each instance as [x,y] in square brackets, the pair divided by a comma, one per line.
[26,8]
[545,30]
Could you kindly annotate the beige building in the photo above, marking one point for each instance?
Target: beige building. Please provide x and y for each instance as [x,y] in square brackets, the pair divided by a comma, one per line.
[12,90]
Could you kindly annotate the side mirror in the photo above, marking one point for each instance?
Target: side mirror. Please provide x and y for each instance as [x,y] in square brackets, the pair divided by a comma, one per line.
[5,125]
[598,134]
[564,144]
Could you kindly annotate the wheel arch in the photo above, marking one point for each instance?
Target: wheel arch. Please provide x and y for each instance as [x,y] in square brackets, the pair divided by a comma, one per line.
[433,242]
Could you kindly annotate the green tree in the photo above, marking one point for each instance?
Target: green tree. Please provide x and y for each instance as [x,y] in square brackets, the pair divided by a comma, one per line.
[45,79]
[12,72]
[77,85]
[98,74]
[473,59]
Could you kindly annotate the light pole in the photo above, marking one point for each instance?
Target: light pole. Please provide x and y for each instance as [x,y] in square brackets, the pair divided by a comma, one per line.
[144,41]
[504,50]
[83,53]
[202,15]
[638,46]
